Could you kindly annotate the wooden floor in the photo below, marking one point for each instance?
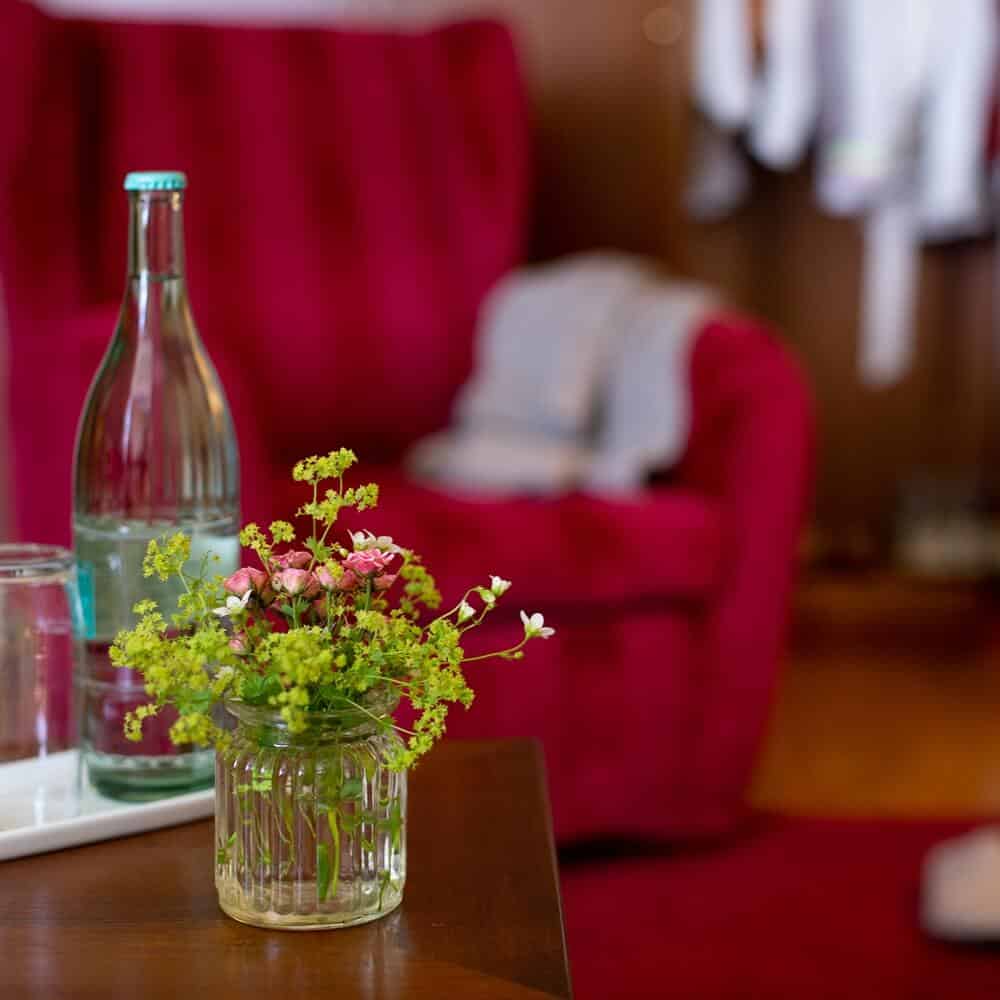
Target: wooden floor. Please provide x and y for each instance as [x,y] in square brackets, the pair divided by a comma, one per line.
[890,702]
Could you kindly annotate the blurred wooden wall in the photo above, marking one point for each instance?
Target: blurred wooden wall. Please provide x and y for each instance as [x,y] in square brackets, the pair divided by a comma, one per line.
[614,127]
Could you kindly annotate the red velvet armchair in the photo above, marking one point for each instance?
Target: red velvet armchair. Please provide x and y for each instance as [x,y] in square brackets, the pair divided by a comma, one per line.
[353,197]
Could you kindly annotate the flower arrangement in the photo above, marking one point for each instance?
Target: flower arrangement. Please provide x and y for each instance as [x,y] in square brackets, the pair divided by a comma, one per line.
[317,627]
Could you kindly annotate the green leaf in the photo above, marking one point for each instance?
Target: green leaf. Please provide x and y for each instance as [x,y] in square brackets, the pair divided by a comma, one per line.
[318,549]
[285,609]
[393,823]
[328,696]
[396,824]
[196,701]
[383,883]
[257,689]
[351,789]
[222,855]
[322,871]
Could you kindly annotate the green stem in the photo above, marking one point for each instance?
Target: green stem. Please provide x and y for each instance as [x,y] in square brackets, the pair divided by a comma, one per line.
[331,621]
[378,719]
[405,685]
[500,652]
[476,622]
[309,823]
[201,597]
[258,824]
[313,533]
[283,820]
[326,530]
[331,818]
[448,614]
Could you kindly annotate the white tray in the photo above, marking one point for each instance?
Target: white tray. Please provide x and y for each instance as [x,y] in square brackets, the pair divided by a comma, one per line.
[42,808]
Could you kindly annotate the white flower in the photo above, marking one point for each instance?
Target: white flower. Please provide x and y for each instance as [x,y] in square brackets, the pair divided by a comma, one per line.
[233,606]
[465,611]
[363,540]
[499,585]
[535,625]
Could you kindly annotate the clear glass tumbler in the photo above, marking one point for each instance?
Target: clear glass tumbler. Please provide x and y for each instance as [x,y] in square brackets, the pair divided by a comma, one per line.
[40,629]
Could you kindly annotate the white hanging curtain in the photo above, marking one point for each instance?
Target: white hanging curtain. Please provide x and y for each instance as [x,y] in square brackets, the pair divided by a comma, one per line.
[896,94]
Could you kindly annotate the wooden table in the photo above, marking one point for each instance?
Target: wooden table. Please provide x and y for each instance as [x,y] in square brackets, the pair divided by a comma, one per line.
[137,918]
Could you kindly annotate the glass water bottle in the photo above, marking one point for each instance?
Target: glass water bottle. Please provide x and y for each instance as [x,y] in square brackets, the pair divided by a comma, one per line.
[156,452]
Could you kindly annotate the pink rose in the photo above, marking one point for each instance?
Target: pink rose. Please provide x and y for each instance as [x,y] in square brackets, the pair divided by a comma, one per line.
[385,581]
[246,579]
[239,644]
[296,583]
[369,562]
[347,582]
[296,559]
[325,578]
[319,609]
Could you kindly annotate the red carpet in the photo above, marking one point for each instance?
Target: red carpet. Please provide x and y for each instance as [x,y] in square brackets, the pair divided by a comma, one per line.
[798,910]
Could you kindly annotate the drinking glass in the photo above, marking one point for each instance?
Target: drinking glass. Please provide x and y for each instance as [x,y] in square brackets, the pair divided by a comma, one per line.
[41,623]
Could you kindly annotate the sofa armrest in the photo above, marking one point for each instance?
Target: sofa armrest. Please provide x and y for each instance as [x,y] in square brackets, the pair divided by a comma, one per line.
[751,448]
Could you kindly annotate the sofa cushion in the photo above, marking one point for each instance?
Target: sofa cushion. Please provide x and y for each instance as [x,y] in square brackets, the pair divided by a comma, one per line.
[579,549]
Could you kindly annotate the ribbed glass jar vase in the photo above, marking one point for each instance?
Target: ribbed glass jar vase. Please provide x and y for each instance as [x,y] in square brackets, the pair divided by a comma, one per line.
[310,827]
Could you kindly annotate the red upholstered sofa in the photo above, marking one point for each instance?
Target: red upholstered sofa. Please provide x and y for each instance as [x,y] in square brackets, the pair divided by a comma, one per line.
[353,197]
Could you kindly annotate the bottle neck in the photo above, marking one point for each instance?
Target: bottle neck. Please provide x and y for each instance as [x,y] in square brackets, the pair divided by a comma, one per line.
[156,236]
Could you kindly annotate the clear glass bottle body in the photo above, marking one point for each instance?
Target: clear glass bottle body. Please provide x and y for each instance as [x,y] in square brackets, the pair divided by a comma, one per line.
[310,828]
[156,452]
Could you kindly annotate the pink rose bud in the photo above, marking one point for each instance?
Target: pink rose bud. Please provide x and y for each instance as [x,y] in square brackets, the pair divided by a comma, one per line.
[347,582]
[296,583]
[246,579]
[296,559]
[325,578]
[369,562]
[385,581]
[239,644]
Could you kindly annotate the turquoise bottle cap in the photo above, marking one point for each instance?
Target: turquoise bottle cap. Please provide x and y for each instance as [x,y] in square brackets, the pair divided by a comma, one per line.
[155,180]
